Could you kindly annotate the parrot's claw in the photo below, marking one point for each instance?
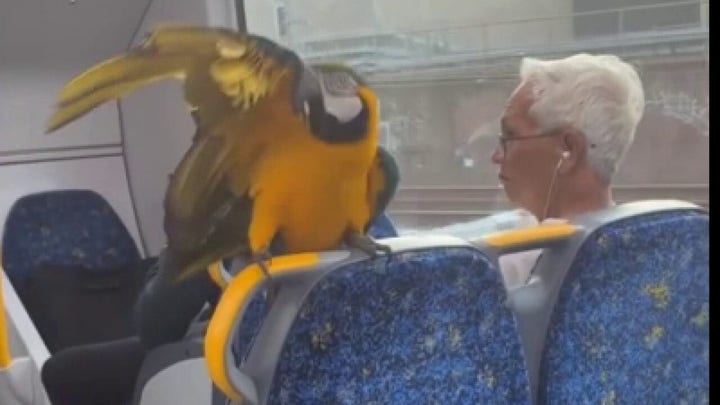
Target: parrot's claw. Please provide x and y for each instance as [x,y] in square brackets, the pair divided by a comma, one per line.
[263,259]
[367,245]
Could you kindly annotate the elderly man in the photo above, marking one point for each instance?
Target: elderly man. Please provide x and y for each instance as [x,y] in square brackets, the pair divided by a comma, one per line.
[565,130]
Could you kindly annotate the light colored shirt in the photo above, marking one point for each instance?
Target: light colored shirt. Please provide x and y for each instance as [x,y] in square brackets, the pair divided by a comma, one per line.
[515,267]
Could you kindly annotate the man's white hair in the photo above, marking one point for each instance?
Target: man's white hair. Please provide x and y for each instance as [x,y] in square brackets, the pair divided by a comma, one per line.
[598,95]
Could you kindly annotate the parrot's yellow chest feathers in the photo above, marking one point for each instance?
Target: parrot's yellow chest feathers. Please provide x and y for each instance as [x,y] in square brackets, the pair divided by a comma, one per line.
[308,191]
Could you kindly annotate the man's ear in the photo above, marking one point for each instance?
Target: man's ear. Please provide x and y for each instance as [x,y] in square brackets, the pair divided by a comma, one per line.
[573,142]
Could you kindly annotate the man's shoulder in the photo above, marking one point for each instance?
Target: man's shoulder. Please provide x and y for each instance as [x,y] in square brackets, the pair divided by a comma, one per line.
[501,221]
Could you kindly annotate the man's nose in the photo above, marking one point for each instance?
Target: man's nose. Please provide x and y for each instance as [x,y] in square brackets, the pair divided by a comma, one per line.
[497,155]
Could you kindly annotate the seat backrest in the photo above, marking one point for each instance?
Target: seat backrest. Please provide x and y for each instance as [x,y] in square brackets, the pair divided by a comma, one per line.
[630,322]
[430,325]
[64,228]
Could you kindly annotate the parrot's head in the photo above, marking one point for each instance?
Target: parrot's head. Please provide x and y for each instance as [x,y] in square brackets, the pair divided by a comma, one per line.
[330,99]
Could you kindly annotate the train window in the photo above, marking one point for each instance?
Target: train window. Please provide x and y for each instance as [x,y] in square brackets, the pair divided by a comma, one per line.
[443,70]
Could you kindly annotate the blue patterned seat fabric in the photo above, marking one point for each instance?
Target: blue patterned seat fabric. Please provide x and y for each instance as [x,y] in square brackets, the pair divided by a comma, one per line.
[429,327]
[66,227]
[631,322]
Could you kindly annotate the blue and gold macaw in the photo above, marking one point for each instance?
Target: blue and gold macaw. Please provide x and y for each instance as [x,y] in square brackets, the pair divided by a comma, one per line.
[283,151]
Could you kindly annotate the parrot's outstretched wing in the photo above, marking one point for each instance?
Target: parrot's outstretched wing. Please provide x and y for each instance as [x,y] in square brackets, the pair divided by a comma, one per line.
[224,73]
[226,77]
[383,181]
[221,70]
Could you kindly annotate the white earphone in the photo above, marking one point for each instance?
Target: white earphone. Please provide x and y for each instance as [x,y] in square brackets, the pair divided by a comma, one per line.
[565,154]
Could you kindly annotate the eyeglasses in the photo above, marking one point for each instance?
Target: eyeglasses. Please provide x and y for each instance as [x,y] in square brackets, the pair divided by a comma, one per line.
[503,140]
